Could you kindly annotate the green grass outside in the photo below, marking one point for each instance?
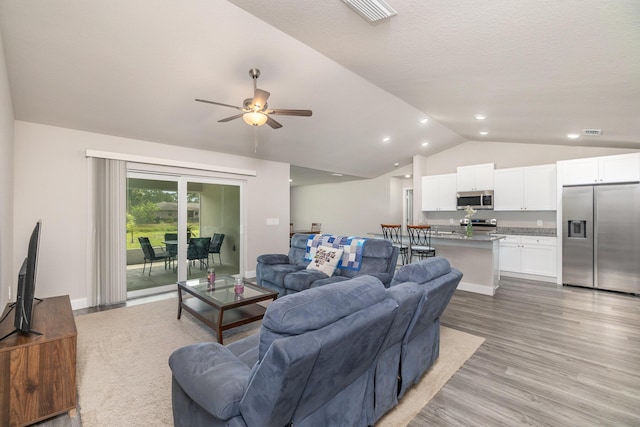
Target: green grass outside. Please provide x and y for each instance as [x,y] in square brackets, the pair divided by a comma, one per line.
[155,233]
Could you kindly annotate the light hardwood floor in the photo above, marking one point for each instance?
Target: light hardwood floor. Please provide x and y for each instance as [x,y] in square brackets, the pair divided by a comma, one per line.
[553,356]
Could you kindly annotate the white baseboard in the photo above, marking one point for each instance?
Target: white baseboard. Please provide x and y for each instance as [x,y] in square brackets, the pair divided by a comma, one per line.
[547,279]
[477,288]
[250,274]
[79,303]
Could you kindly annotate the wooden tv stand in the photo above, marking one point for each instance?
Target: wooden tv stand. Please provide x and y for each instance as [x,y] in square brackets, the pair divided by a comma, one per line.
[38,372]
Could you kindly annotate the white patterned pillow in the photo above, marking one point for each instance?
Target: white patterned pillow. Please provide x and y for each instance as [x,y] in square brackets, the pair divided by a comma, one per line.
[325,259]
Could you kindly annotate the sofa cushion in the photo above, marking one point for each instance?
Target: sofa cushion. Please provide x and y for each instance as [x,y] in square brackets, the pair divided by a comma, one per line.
[315,308]
[212,376]
[276,273]
[273,259]
[423,271]
[326,260]
[300,280]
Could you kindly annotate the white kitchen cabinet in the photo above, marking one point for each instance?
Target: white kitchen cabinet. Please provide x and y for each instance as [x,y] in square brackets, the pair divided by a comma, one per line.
[532,256]
[475,177]
[601,170]
[528,188]
[439,192]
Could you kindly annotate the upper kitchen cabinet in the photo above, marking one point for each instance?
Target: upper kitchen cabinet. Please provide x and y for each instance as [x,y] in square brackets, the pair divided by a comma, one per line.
[439,192]
[601,170]
[475,177]
[529,188]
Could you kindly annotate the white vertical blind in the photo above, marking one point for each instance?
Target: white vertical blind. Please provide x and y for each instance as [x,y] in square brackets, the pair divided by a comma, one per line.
[110,252]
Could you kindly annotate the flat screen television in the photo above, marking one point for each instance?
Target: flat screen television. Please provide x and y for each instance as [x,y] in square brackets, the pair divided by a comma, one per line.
[25,294]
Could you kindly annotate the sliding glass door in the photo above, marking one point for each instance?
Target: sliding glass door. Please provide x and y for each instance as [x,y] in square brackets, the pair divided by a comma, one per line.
[177,227]
[152,233]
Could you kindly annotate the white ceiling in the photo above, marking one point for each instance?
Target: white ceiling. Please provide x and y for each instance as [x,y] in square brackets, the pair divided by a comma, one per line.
[131,68]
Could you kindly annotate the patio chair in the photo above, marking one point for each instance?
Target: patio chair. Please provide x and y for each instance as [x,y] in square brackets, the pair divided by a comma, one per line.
[215,246]
[150,254]
[420,241]
[199,251]
[171,248]
[393,233]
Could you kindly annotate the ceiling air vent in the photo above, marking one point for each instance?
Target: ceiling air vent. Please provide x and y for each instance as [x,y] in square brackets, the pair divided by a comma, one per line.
[372,10]
[592,132]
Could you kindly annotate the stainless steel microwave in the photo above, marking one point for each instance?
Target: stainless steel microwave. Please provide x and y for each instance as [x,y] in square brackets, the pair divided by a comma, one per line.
[475,199]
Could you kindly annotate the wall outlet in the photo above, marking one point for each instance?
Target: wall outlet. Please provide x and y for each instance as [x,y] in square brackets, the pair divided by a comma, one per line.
[539,223]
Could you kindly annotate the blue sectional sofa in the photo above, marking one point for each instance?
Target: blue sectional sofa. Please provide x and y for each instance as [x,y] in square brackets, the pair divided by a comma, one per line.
[332,355]
[287,273]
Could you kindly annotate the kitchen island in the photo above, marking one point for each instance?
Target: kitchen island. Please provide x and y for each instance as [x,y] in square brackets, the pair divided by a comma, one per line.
[477,257]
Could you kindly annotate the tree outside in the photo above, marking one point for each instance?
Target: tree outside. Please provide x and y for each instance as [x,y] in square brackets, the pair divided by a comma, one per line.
[145,219]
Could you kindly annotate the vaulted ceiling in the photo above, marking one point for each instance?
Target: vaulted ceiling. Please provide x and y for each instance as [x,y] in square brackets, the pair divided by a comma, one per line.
[537,69]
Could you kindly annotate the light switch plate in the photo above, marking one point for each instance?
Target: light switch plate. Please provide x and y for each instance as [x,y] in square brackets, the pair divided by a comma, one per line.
[539,222]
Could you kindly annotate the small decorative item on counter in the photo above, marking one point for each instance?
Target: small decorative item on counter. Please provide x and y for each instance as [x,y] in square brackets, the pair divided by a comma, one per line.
[211,278]
[238,286]
[470,213]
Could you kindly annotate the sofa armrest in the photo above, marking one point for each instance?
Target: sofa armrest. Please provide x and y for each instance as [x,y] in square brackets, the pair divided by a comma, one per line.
[212,376]
[274,259]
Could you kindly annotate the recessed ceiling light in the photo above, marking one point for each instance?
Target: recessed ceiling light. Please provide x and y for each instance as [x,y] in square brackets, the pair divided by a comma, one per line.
[290,180]
[336,174]
[407,176]
[425,120]
[484,132]
[396,164]
[480,116]
[573,135]
[386,139]
[424,144]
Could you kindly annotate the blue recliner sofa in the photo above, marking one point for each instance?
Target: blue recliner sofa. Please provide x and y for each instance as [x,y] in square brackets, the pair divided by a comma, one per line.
[287,274]
[423,291]
[315,355]
[332,355]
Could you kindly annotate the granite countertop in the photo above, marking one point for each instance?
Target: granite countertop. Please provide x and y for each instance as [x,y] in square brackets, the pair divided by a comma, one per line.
[527,231]
[477,237]
[517,231]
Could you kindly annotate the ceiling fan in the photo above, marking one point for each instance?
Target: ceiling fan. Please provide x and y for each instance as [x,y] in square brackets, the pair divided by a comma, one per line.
[255,111]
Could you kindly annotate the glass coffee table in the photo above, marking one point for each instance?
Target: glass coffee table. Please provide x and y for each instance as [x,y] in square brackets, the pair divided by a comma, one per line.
[219,307]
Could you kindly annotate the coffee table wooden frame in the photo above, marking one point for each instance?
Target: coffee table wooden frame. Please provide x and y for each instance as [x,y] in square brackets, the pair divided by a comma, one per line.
[221,315]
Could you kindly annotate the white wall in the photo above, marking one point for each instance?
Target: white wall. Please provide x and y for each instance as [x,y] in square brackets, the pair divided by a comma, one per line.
[8,275]
[509,155]
[352,208]
[51,184]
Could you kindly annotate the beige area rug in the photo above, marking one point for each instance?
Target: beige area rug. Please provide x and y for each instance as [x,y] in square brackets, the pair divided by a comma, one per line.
[124,377]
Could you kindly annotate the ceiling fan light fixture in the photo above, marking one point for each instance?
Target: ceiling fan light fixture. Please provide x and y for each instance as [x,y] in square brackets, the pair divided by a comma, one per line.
[254,118]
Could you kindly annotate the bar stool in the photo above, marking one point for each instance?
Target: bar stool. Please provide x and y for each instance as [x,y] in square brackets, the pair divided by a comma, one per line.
[420,241]
[393,233]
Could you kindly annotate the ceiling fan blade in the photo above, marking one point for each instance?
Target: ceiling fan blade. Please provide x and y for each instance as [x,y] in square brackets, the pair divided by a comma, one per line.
[228,119]
[219,103]
[282,112]
[274,124]
[260,98]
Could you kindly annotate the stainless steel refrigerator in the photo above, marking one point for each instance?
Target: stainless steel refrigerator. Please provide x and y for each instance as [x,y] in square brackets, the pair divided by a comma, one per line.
[601,237]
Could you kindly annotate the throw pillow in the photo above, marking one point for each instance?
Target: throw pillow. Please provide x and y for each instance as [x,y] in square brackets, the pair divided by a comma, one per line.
[326,259]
